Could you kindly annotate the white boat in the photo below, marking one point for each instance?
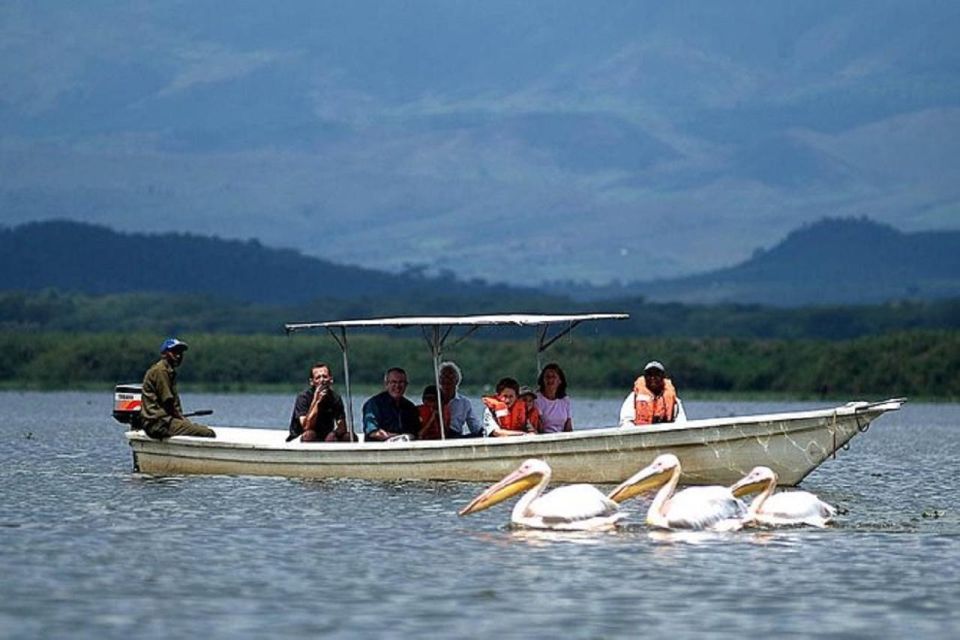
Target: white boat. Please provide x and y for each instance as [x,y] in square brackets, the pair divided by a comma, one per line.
[711,451]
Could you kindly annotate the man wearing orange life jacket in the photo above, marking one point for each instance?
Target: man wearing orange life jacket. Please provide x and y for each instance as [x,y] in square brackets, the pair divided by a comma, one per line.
[503,414]
[653,399]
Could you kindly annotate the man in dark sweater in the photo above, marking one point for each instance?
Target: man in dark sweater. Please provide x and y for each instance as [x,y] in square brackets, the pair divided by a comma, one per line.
[318,413]
[389,413]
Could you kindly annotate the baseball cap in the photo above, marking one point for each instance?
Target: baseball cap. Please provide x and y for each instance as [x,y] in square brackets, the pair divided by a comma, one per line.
[654,365]
[172,343]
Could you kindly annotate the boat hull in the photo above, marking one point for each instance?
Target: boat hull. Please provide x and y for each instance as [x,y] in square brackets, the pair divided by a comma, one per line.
[714,451]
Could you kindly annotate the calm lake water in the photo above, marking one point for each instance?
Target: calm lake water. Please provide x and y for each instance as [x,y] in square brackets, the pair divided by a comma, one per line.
[90,549]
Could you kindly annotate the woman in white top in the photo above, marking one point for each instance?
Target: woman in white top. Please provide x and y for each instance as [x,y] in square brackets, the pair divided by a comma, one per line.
[552,401]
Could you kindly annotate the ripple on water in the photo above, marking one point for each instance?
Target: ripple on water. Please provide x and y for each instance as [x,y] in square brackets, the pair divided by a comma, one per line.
[89,547]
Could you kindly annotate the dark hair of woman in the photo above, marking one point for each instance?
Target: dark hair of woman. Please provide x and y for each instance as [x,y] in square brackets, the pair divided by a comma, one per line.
[562,389]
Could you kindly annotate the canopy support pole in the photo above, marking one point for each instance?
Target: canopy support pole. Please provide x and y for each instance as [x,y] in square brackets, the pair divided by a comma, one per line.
[541,335]
[341,340]
[435,341]
[465,335]
[543,343]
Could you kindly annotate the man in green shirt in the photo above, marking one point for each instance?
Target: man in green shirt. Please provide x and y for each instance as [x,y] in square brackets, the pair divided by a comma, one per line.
[160,403]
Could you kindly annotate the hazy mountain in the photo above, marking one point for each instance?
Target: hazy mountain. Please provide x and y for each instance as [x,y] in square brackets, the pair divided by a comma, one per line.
[833,261]
[527,141]
[79,257]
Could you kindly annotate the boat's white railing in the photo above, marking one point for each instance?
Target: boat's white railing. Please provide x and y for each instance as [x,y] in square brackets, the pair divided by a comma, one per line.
[437,330]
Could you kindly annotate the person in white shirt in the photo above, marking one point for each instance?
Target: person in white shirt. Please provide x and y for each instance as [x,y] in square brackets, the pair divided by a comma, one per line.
[552,401]
[653,399]
[463,420]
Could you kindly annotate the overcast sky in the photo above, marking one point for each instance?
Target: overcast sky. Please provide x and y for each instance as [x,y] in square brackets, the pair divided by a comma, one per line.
[510,140]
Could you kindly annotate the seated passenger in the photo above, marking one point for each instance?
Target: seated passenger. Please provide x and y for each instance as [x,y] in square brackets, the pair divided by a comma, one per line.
[463,421]
[318,412]
[389,414]
[430,414]
[653,399]
[529,399]
[503,415]
[552,402]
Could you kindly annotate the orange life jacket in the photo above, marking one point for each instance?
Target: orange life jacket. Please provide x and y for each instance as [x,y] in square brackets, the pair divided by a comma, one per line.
[427,412]
[650,409]
[533,417]
[513,418]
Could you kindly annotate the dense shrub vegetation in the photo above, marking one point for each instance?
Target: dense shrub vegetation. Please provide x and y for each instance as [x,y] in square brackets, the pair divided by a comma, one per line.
[167,314]
[911,363]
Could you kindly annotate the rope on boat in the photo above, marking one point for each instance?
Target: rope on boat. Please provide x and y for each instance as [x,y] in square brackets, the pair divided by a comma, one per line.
[862,427]
[833,432]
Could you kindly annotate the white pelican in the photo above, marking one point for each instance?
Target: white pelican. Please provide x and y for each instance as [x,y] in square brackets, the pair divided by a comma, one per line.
[784,508]
[713,508]
[576,507]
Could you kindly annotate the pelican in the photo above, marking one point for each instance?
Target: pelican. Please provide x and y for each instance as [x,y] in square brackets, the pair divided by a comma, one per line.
[576,507]
[714,508]
[784,508]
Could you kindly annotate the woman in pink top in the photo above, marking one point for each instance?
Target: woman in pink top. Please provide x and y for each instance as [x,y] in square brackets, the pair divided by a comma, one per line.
[552,401]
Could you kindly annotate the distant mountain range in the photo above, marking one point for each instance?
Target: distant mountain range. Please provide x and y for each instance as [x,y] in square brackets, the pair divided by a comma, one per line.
[86,258]
[833,261]
[830,262]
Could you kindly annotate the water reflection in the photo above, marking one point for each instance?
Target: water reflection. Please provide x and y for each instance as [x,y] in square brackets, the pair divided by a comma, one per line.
[543,537]
[632,534]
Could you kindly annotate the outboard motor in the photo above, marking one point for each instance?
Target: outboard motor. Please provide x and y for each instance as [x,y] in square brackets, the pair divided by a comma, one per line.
[126,404]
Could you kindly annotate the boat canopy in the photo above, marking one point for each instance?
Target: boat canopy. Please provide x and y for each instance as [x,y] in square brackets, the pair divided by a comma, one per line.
[517,319]
[437,330]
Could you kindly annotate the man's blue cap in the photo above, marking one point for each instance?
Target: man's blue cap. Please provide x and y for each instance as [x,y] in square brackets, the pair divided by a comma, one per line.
[172,343]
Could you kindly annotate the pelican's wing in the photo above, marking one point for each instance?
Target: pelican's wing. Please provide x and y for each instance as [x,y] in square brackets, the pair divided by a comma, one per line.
[795,507]
[705,508]
[571,503]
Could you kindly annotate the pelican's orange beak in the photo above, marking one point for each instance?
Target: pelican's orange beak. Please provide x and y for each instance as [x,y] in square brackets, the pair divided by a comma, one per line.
[517,482]
[647,479]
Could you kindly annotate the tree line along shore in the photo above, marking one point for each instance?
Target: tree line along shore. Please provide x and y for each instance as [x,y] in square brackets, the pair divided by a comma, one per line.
[917,364]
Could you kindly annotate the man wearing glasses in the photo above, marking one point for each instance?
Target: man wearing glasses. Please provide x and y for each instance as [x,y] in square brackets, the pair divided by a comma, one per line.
[389,414]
